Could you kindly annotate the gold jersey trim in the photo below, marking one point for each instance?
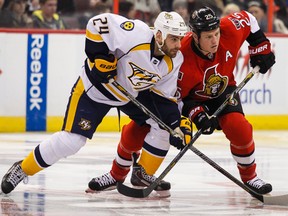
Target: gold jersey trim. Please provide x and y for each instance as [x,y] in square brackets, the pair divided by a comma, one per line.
[141,47]
[93,37]
[78,91]
[169,63]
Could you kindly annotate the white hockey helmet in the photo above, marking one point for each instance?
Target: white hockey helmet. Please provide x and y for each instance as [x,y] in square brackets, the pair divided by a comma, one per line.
[170,23]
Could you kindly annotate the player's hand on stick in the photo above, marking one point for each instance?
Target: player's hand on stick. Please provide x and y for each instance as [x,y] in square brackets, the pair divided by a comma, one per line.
[261,55]
[184,132]
[202,121]
[105,68]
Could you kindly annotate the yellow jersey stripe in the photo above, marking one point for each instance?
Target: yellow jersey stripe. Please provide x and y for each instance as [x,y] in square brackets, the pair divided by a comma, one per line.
[93,37]
[169,63]
[78,91]
[141,47]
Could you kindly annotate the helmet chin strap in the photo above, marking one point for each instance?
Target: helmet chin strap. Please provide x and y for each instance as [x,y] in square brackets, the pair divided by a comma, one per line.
[160,45]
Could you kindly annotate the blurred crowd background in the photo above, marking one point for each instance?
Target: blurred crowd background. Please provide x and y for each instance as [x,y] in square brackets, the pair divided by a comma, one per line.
[74,14]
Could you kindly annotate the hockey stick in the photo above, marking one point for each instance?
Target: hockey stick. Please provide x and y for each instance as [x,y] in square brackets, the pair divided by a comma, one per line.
[141,193]
[143,108]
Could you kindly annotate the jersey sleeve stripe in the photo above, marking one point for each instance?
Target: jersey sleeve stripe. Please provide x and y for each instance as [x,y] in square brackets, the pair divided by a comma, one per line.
[141,47]
[93,37]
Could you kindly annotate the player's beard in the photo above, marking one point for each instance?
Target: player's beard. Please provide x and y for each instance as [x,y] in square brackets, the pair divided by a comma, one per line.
[169,52]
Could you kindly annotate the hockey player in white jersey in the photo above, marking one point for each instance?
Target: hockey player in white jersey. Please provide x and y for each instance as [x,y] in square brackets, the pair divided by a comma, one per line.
[144,61]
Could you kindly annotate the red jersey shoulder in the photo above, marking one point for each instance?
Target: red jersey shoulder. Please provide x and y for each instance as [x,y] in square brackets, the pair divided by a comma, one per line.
[185,43]
[236,25]
[188,54]
[187,74]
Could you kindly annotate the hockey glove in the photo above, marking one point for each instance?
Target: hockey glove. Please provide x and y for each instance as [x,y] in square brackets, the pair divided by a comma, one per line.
[201,120]
[185,134]
[262,56]
[105,68]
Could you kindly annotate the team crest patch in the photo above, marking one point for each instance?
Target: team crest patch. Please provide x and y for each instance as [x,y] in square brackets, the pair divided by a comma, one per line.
[233,101]
[85,124]
[128,25]
[214,83]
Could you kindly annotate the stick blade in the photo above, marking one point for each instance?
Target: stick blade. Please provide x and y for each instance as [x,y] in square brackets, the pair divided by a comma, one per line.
[281,200]
[133,192]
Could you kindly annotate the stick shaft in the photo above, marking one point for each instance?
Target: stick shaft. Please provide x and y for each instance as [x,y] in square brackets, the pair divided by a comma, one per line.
[224,172]
[143,108]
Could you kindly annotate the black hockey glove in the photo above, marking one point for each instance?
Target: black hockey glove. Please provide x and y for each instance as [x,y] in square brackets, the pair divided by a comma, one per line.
[262,56]
[208,125]
[105,68]
[201,120]
[185,134]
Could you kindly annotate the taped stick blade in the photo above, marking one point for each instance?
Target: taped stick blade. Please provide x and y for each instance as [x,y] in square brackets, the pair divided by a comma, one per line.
[133,192]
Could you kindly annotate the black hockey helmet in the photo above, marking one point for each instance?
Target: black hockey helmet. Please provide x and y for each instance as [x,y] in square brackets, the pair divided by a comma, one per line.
[203,19]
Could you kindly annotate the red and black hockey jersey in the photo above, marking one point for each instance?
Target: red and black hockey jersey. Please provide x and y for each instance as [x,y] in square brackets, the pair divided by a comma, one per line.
[202,78]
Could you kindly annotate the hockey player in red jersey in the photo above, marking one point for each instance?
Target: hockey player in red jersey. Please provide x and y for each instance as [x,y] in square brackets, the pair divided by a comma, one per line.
[205,83]
[205,80]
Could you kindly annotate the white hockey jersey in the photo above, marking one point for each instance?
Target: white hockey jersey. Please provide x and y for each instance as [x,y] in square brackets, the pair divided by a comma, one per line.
[137,70]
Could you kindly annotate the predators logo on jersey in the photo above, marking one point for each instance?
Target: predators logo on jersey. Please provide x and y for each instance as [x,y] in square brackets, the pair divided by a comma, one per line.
[142,79]
[85,124]
[128,26]
[213,84]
